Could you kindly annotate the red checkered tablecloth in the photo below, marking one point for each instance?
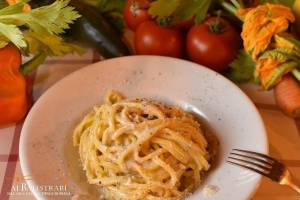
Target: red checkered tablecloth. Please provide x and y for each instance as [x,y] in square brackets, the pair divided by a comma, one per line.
[283,132]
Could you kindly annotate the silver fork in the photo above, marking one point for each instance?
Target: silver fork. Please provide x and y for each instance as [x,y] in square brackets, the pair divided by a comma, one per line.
[264,165]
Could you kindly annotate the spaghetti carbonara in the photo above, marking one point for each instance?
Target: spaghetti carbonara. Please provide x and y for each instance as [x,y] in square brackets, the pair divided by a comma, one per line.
[141,149]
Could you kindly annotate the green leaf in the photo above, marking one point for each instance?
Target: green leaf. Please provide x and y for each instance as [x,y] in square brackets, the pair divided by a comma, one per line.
[186,10]
[52,45]
[32,64]
[3,41]
[242,68]
[12,33]
[51,19]
[179,10]
[44,24]
[202,11]
[163,8]
[289,43]
[282,69]
[3,44]
[280,54]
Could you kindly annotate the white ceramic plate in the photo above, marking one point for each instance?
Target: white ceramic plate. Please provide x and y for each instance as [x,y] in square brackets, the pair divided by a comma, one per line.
[48,158]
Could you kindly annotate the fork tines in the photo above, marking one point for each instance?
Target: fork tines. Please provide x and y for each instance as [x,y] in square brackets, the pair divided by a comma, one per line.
[254,161]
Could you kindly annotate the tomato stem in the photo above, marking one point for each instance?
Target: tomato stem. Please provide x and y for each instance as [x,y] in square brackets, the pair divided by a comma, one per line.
[134,7]
[216,26]
[164,21]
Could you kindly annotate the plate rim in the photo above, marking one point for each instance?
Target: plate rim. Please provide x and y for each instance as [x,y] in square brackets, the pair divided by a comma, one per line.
[22,156]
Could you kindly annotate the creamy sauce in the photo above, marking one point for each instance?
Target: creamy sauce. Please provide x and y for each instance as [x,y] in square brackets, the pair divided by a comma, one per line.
[209,191]
[91,192]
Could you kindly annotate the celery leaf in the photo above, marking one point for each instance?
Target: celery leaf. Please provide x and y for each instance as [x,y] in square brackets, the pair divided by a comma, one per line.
[51,44]
[3,41]
[51,19]
[12,33]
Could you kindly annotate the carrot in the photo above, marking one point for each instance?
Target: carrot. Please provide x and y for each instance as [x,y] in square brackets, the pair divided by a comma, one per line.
[13,98]
[287,95]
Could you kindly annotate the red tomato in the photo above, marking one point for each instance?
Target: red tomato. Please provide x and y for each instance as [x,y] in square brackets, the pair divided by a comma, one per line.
[153,39]
[136,12]
[212,45]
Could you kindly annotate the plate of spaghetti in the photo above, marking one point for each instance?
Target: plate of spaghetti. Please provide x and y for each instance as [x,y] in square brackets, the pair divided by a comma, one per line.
[140,127]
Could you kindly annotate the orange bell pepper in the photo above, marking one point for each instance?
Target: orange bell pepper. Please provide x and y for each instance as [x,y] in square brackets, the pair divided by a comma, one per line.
[13,96]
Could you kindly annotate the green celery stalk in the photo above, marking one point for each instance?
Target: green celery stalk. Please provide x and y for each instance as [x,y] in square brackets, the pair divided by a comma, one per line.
[32,64]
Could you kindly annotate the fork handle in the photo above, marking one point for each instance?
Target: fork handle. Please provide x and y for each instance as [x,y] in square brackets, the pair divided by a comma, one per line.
[294,187]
